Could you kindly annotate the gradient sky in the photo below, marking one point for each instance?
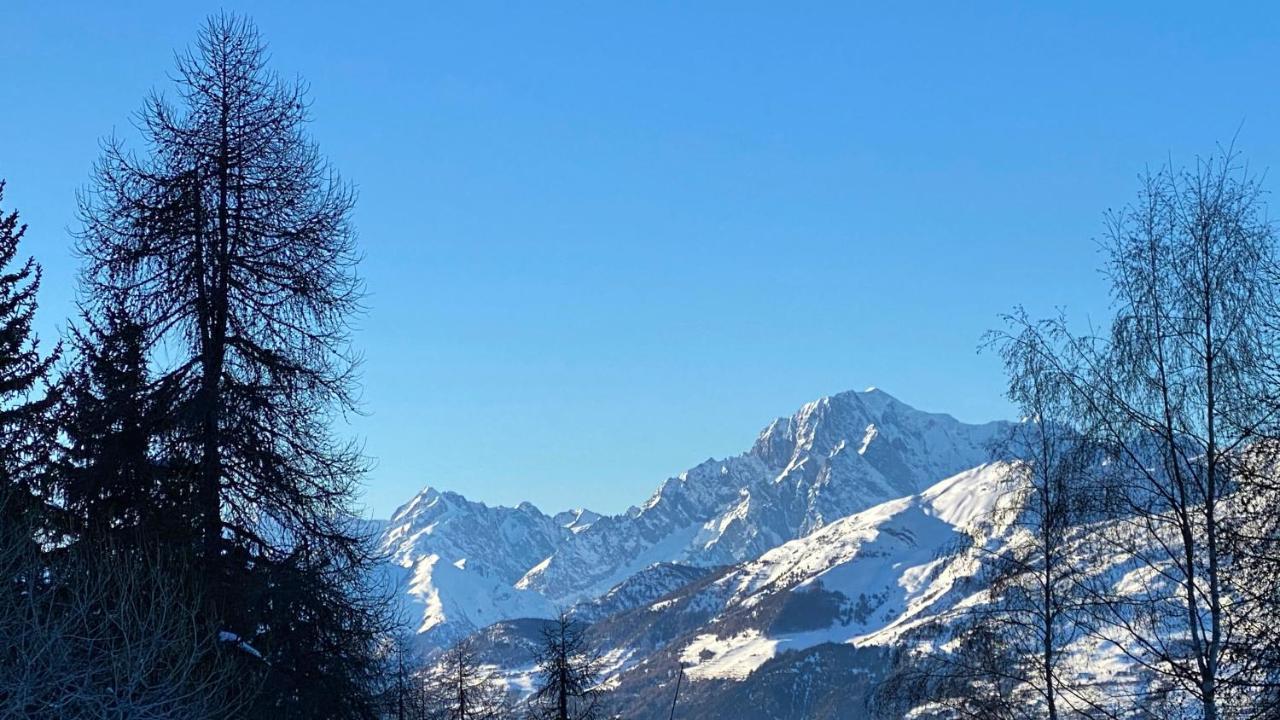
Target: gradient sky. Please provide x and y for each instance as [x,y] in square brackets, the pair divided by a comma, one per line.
[608,240]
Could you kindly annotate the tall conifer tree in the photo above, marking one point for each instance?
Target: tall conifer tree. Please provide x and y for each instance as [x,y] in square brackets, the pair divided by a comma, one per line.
[231,240]
[24,403]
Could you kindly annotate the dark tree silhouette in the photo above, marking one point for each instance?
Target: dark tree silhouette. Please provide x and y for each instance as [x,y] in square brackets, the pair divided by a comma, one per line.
[117,477]
[461,688]
[230,242]
[25,405]
[103,631]
[567,673]
[87,630]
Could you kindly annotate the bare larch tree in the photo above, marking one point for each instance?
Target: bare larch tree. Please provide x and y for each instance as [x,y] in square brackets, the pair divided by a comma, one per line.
[568,674]
[230,241]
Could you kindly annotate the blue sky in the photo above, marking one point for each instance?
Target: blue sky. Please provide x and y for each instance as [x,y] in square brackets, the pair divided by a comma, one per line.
[605,241]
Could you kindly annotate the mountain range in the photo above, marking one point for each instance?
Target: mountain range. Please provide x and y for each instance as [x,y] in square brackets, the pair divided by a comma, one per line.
[465,565]
[782,583]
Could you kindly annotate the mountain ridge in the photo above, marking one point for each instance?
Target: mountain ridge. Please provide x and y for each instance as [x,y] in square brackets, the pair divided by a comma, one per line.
[466,564]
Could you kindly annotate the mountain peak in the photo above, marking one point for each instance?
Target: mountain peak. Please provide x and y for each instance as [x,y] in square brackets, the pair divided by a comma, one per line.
[576,520]
[872,398]
[424,498]
[825,423]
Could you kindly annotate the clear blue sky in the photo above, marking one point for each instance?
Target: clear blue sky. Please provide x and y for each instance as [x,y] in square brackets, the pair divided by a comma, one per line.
[608,240]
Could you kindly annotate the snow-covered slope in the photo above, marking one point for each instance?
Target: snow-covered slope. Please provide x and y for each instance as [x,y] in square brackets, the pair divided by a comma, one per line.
[832,603]
[643,588]
[860,580]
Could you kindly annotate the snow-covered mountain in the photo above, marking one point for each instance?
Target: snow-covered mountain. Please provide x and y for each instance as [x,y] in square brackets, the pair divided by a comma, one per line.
[784,583]
[809,628]
[465,565]
[457,560]
[833,457]
[805,627]
[862,580]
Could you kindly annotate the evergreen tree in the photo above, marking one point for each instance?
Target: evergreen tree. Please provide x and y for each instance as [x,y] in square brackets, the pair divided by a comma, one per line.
[231,241]
[113,477]
[25,428]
